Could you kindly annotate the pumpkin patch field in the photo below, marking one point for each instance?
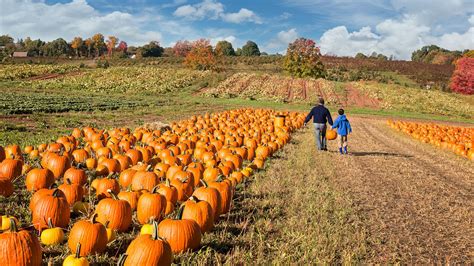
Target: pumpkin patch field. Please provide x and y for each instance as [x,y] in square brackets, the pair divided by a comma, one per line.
[165,189]
[140,163]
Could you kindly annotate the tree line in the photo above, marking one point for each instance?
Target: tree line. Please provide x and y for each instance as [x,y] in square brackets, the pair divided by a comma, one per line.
[112,47]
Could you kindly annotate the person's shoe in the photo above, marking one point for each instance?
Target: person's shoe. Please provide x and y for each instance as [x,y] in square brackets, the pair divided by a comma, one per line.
[340,150]
[345,150]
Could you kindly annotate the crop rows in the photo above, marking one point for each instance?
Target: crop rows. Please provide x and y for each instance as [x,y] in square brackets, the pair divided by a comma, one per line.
[275,87]
[12,102]
[124,79]
[23,71]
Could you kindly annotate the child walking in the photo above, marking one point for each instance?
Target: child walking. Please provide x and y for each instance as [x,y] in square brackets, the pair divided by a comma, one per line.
[343,129]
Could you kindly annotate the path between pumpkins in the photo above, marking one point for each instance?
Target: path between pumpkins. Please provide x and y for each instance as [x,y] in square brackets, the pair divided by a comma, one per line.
[417,200]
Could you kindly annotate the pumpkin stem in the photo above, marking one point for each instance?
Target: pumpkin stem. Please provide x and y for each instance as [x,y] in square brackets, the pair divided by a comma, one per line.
[155,189]
[121,260]
[68,181]
[13,227]
[194,199]
[113,194]
[50,222]
[179,215]
[220,178]
[107,224]
[78,250]
[53,185]
[56,192]
[93,217]
[204,183]
[154,235]
[168,182]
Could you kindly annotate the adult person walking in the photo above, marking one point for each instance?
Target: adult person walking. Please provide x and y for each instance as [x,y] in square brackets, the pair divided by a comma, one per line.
[320,115]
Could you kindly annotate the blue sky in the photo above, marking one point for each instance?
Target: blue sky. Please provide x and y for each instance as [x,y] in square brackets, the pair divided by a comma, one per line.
[340,27]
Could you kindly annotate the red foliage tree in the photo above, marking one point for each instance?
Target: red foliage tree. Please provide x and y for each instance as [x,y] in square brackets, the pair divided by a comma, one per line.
[201,56]
[122,47]
[182,48]
[462,80]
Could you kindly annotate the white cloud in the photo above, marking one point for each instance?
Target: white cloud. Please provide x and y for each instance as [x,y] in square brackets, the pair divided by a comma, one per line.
[207,8]
[391,37]
[232,39]
[244,15]
[211,9]
[77,18]
[280,43]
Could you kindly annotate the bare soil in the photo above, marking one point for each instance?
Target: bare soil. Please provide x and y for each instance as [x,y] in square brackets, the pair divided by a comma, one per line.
[418,200]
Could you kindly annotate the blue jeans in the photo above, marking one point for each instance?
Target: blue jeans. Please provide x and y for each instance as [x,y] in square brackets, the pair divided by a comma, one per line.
[320,135]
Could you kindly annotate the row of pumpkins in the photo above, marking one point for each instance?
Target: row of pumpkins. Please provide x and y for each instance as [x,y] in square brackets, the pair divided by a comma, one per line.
[460,140]
[193,166]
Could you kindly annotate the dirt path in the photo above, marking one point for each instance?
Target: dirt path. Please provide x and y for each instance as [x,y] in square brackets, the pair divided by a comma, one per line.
[418,200]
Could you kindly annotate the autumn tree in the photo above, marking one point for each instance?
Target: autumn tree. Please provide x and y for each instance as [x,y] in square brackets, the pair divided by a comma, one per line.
[89,44]
[56,48]
[182,48]
[303,59]
[250,49]
[201,56]
[152,49]
[77,43]
[462,80]
[111,43]
[99,44]
[224,48]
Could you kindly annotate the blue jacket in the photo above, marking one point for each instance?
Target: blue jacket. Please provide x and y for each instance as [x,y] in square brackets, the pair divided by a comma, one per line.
[343,126]
[320,114]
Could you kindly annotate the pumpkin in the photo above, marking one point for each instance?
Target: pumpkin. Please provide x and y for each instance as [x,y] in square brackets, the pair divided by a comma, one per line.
[58,164]
[331,134]
[200,211]
[90,234]
[43,192]
[184,188]
[130,196]
[76,176]
[126,177]
[10,169]
[73,192]
[6,220]
[116,212]
[151,205]
[225,192]
[144,180]
[52,235]
[148,249]
[106,184]
[210,195]
[6,187]
[170,192]
[54,207]
[189,237]
[76,259]
[111,233]
[19,247]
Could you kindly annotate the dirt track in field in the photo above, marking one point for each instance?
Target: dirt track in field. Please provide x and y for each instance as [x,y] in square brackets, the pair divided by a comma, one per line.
[418,201]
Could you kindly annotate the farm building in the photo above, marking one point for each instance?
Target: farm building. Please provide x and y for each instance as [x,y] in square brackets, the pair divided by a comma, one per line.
[20,54]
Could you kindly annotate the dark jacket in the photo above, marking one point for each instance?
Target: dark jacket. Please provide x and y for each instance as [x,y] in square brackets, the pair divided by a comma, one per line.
[343,126]
[320,115]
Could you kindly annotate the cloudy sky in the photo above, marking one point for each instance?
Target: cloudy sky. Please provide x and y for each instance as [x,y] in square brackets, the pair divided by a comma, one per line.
[340,27]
